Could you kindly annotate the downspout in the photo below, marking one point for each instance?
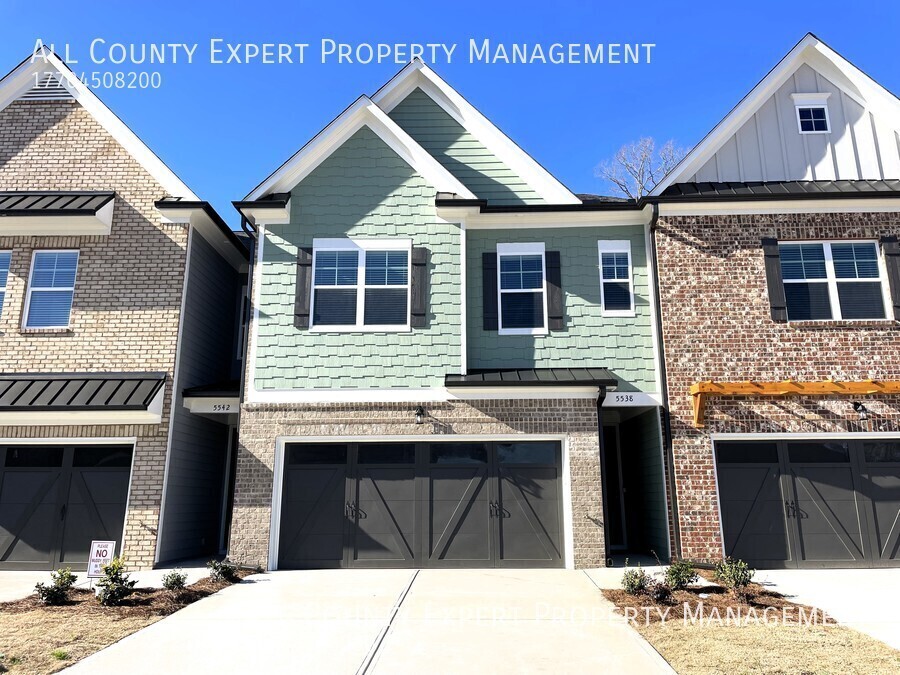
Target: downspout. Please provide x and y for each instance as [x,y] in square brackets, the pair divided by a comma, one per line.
[248,301]
[601,396]
[667,420]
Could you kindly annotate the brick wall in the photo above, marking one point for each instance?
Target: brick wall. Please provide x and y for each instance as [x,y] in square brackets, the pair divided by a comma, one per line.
[128,290]
[717,326]
[261,424]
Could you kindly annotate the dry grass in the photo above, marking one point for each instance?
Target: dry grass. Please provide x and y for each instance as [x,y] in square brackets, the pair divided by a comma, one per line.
[31,632]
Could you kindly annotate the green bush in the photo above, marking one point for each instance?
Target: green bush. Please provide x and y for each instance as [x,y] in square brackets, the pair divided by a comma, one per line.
[635,581]
[174,581]
[57,592]
[735,575]
[681,574]
[115,584]
[222,571]
[59,654]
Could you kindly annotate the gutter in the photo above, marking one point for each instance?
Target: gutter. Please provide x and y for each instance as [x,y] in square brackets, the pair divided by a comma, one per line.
[604,497]
[251,232]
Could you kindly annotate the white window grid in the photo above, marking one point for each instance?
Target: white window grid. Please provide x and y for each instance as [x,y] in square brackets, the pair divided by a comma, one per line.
[32,288]
[615,246]
[508,250]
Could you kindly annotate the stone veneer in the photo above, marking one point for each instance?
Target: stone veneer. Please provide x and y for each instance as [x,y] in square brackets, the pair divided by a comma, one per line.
[717,326]
[262,424]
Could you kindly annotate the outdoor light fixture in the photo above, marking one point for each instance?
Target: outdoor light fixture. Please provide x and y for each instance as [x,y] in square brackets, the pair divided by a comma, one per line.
[420,414]
[861,410]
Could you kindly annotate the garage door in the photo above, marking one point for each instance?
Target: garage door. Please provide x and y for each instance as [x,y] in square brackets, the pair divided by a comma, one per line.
[55,499]
[833,503]
[421,505]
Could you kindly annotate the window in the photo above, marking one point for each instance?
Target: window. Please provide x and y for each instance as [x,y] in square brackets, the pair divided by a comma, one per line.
[616,289]
[51,289]
[361,284]
[832,280]
[523,297]
[4,275]
[812,113]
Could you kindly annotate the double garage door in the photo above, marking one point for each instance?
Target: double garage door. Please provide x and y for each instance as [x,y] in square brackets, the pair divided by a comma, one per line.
[832,503]
[55,499]
[473,504]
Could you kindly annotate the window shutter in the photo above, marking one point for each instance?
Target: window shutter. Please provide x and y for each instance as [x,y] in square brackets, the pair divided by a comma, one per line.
[304,286]
[777,301]
[554,291]
[890,246]
[489,288]
[419,287]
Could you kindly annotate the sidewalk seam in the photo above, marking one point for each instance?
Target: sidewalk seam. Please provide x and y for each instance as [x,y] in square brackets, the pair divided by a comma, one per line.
[379,639]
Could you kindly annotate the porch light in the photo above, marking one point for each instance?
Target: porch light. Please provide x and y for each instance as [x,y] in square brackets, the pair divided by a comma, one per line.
[861,410]
[420,414]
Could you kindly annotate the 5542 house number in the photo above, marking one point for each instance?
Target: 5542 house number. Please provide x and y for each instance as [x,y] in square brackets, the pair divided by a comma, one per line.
[221,407]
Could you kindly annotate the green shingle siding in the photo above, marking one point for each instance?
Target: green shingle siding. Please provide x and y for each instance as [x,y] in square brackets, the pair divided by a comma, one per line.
[622,344]
[363,189]
[460,152]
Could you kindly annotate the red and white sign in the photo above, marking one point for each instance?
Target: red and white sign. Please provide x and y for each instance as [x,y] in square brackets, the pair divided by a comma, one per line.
[102,552]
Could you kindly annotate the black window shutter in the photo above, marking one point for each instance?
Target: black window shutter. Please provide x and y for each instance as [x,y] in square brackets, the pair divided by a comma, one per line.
[419,287]
[304,287]
[489,288]
[554,291]
[890,246]
[777,301]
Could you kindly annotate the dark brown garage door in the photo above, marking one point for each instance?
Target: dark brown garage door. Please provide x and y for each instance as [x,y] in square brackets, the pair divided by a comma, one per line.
[831,503]
[421,505]
[54,500]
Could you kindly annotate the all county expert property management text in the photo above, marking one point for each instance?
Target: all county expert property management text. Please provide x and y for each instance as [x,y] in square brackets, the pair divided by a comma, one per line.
[102,51]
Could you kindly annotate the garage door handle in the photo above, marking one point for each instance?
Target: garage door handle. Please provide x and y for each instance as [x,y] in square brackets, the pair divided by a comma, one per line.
[492,511]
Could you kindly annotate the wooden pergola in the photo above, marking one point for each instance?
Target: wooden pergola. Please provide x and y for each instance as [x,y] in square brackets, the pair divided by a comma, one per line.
[700,390]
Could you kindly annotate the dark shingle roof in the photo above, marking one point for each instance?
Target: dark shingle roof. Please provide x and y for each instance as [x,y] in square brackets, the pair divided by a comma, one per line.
[78,391]
[53,203]
[531,377]
[806,189]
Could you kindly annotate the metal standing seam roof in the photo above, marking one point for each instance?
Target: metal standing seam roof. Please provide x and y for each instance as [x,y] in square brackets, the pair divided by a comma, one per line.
[65,392]
[53,203]
[781,189]
[531,377]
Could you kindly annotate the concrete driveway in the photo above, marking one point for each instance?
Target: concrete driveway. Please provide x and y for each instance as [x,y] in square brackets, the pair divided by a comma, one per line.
[867,600]
[391,621]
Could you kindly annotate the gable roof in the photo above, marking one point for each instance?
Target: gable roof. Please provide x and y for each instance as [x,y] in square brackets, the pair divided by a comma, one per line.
[810,51]
[20,82]
[416,75]
[363,112]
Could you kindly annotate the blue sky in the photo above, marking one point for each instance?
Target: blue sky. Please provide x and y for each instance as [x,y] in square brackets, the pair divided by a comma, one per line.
[223,128]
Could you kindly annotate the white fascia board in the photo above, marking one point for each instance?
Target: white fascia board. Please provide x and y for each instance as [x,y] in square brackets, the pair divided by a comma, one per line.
[475,220]
[98,224]
[79,418]
[268,215]
[362,113]
[785,206]
[223,405]
[417,75]
[434,395]
[21,79]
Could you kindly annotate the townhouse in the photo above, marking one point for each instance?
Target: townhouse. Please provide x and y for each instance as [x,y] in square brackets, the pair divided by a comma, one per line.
[118,289]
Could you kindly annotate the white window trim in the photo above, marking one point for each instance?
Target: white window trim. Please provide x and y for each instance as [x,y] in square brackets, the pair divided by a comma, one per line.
[362,245]
[6,284]
[812,100]
[832,280]
[31,288]
[535,248]
[615,246]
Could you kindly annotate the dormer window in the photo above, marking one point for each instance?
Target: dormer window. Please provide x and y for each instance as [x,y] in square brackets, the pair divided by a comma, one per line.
[812,113]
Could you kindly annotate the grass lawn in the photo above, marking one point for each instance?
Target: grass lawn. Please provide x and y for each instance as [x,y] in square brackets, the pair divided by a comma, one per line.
[36,639]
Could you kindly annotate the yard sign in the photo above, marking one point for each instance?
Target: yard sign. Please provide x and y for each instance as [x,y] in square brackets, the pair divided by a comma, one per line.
[101,554]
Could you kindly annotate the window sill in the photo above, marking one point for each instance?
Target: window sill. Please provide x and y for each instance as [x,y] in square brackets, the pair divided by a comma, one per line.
[360,329]
[523,331]
[613,314]
[844,323]
[46,331]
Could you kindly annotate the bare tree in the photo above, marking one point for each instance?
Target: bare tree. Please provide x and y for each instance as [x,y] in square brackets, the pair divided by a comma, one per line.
[638,166]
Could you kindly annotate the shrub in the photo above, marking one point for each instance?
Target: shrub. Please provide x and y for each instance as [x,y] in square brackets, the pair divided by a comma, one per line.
[659,592]
[61,582]
[59,654]
[174,581]
[681,574]
[222,571]
[115,584]
[735,575]
[635,581]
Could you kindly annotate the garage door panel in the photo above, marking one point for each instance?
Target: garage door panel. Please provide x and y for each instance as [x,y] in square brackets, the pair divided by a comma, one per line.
[313,517]
[458,523]
[385,517]
[829,522]
[882,487]
[530,526]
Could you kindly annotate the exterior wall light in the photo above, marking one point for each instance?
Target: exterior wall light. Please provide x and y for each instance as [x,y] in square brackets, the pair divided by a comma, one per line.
[420,414]
[861,410]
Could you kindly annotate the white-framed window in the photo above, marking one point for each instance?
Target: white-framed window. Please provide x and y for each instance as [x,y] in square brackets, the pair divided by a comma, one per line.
[51,288]
[5,257]
[812,113]
[616,283]
[833,280]
[361,285]
[522,289]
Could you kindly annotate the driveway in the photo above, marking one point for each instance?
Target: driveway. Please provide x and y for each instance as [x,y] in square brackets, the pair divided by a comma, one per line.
[867,600]
[391,621]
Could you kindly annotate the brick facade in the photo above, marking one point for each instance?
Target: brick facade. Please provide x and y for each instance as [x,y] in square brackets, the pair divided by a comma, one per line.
[262,424]
[717,326]
[128,290]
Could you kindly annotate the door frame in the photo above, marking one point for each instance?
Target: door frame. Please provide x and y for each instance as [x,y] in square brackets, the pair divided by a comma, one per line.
[61,441]
[278,478]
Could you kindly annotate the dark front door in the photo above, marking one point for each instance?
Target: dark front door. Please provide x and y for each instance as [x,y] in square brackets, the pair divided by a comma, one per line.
[442,504]
[55,500]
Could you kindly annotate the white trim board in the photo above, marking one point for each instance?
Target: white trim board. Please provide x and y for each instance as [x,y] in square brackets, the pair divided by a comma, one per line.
[813,435]
[780,206]
[435,395]
[51,418]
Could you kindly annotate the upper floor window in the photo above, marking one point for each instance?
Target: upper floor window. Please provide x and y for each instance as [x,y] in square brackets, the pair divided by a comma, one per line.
[361,284]
[4,275]
[51,287]
[812,113]
[521,287]
[832,280]
[616,286]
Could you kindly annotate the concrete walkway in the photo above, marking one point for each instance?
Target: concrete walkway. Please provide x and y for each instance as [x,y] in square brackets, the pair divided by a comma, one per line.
[390,621]
[866,600]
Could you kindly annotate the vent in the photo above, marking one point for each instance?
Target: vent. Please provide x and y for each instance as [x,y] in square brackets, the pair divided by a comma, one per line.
[50,87]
